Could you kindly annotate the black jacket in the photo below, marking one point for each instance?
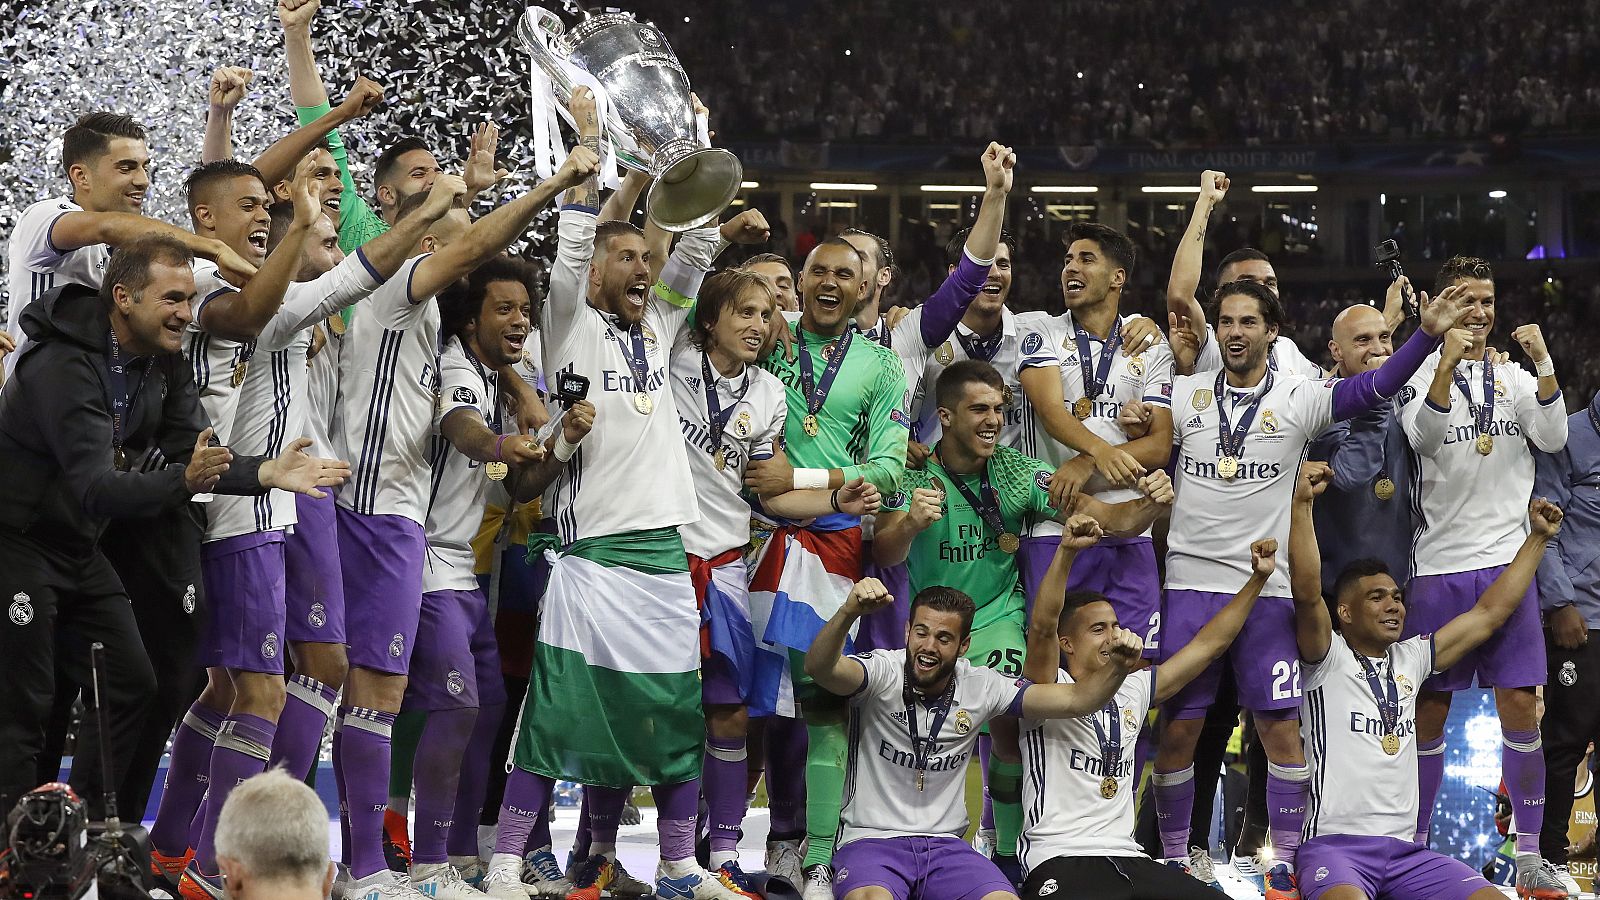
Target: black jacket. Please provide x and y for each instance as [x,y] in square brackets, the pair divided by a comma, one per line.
[58,480]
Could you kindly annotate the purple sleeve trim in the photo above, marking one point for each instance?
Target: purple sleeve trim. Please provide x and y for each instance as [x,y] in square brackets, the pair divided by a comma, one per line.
[949,303]
[1553,398]
[580,208]
[1434,406]
[1015,707]
[50,234]
[1353,396]
[367,264]
[410,297]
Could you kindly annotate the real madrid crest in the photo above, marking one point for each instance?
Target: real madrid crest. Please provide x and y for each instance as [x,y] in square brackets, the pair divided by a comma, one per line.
[1568,676]
[963,722]
[1269,422]
[1406,688]
[1128,721]
[1136,365]
[1200,399]
[741,425]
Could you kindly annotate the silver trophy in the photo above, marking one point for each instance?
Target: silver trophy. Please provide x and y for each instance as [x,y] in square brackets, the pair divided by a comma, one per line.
[651,122]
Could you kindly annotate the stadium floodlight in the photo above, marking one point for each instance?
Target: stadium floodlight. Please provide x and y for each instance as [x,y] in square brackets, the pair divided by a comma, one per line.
[838,204]
[1284,189]
[842,186]
[952,188]
[1170,189]
[1064,189]
[749,185]
[1497,195]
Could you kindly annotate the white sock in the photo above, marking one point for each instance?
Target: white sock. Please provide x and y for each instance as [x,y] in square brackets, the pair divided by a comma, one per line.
[718,857]
[676,868]
[506,862]
[609,851]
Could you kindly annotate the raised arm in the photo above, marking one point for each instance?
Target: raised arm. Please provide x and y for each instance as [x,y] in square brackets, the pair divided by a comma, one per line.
[620,205]
[227,90]
[825,661]
[492,234]
[1082,698]
[277,161]
[1187,262]
[528,482]
[1219,633]
[894,531]
[1544,420]
[306,89]
[240,315]
[1353,396]
[949,303]
[79,228]
[1313,629]
[388,251]
[1425,423]
[1466,631]
[1044,625]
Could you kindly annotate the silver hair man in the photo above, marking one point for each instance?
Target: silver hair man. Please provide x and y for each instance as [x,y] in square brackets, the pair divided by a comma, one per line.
[272,840]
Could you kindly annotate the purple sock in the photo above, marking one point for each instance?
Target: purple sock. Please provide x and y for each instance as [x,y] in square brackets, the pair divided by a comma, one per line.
[527,801]
[243,744]
[581,839]
[474,783]
[187,774]
[676,805]
[605,812]
[306,709]
[437,773]
[1522,767]
[726,771]
[1174,806]
[786,777]
[1430,774]
[344,800]
[985,750]
[363,758]
[1286,807]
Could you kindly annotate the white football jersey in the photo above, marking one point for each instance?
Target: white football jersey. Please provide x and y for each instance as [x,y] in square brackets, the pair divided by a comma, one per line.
[322,397]
[1063,811]
[1460,525]
[1214,520]
[388,385]
[632,471]
[756,407]
[880,789]
[924,403]
[217,362]
[1050,342]
[1356,788]
[1283,356]
[460,486]
[272,406]
[36,266]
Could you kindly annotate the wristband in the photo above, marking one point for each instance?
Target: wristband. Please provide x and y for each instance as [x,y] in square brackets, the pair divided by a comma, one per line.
[1545,368]
[810,479]
[499,441]
[833,498]
[563,448]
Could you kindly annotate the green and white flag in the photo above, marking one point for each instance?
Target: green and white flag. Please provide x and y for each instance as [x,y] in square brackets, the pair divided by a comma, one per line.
[614,696]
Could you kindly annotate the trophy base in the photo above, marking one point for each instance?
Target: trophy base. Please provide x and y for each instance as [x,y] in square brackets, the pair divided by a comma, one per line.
[692,186]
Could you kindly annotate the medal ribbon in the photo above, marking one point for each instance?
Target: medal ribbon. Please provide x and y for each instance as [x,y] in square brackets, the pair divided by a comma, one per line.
[1110,750]
[1232,438]
[983,348]
[1094,380]
[638,360]
[922,749]
[1483,414]
[716,417]
[817,391]
[491,392]
[118,395]
[1388,702]
[985,503]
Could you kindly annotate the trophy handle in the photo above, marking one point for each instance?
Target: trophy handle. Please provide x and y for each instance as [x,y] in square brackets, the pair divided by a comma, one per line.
[538,29]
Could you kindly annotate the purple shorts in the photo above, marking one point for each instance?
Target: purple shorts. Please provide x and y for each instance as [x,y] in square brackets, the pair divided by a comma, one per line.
[1122,569]
[1512,658]
[927,868]
[886,628]
[455,664]
[381,559]
[244,587]
[314,595]
[1265,659]
[1383,868]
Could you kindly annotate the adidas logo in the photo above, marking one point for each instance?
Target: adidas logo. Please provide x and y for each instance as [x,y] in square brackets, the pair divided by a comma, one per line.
[1194,422]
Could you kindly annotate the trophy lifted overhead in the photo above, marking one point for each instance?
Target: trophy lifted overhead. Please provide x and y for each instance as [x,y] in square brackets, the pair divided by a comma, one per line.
[645,110]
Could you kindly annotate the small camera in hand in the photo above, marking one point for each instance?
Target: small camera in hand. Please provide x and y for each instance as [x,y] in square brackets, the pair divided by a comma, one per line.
[1387,257]
[571,388]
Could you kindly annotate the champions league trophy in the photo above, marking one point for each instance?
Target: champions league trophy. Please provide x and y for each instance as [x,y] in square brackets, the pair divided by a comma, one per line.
[643,100]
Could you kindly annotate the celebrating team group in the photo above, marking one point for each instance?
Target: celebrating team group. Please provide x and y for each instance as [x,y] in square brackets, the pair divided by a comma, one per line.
[355,462]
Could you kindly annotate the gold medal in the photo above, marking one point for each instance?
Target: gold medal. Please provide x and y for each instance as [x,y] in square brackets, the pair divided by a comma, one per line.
[643,403]
[1010,395]
[1228,467]
[239,372]
[1010,542]
[1391,743]
[119,458]
[1108,787]
[919,779]
[809,425]
[1384,489]
[1485,444]
[496,471]
[717,459]
[1082,407]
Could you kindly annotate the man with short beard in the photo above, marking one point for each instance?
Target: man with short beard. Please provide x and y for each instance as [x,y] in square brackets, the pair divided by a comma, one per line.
[915,715]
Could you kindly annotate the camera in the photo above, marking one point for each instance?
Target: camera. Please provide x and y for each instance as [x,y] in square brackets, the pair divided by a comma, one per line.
[571,388]
[1387,257]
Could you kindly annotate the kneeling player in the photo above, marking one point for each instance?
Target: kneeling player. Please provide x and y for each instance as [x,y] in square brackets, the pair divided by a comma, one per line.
[1081,836]
[1359,725]
[914,721]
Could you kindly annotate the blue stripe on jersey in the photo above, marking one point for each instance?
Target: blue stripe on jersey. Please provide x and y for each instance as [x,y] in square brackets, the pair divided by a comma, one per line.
[1317,713]
[851,766]
[278,368]
[372,440]
[569,514]
[1414,460]
[198,342]
[438,454]
[1036,770]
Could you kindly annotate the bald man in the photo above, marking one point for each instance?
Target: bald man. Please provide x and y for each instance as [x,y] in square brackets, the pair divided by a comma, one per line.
[1366,512]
